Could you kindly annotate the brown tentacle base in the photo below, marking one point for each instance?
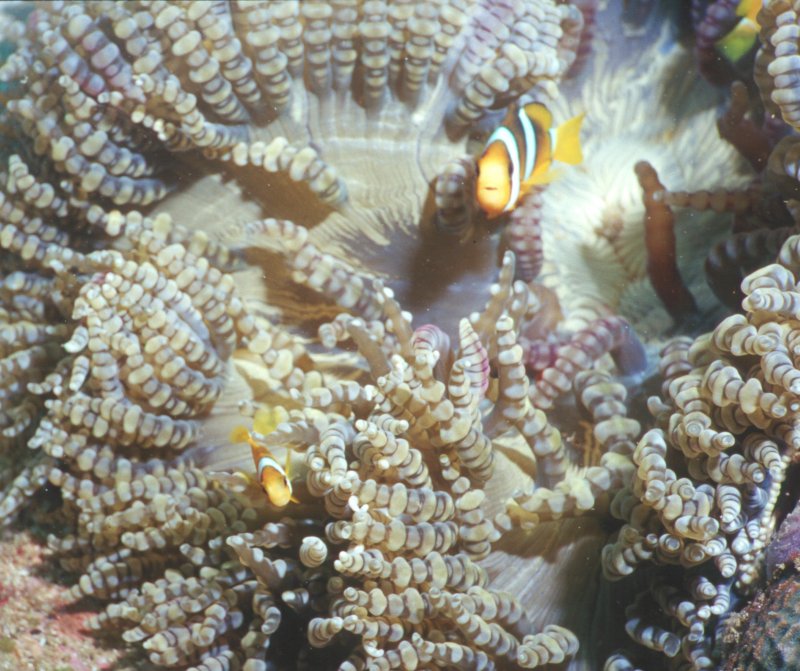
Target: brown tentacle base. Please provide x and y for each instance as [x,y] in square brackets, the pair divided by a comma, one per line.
[750,140]
[732,259]
[662,262]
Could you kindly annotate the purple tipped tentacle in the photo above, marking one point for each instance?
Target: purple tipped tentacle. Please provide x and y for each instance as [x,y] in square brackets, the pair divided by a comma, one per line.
[475,358]
[588,9]
[430,338]
[523,235]
[608,335]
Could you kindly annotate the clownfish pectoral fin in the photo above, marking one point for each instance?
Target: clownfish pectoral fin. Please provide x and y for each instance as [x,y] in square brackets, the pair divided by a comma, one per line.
[540,179]
[739,41]
[287,468]
[568,141]
[539,115]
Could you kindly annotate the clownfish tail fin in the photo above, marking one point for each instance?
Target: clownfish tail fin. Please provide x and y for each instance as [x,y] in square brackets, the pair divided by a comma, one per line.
[568,141]
[739,41]
[749,9]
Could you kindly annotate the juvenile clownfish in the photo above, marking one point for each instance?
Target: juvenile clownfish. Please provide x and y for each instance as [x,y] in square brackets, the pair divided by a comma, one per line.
[742,37]
[273,478]
[519,153]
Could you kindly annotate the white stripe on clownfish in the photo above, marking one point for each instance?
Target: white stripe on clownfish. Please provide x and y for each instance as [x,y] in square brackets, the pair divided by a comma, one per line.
[268,462]
[530,143]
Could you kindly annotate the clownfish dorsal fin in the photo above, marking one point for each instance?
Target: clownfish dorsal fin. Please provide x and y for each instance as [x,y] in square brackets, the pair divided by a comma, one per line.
[237,481]
[567,147]
[539,115]
[510,115]
[240,434]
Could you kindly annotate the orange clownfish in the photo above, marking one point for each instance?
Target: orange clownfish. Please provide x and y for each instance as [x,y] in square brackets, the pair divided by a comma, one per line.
[273,478]
[519,153]
[742,38]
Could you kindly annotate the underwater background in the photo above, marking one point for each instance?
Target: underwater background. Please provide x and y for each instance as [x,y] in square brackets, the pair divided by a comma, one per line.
[397,334]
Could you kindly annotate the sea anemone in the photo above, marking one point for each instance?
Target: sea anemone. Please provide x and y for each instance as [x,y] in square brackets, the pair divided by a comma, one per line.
[595,250]
[215,213]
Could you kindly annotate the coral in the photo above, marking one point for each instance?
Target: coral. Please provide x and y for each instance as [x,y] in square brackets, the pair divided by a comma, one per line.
[776,613]
[774,610]
[760,222]
[40,626]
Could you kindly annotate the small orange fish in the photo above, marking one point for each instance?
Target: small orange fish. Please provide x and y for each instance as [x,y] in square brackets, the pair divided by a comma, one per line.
[519,153]
[274,479]
[744,35]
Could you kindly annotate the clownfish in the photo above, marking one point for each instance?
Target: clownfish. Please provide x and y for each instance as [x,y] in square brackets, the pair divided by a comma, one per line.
[742,37]
[519,153]
[273,478]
